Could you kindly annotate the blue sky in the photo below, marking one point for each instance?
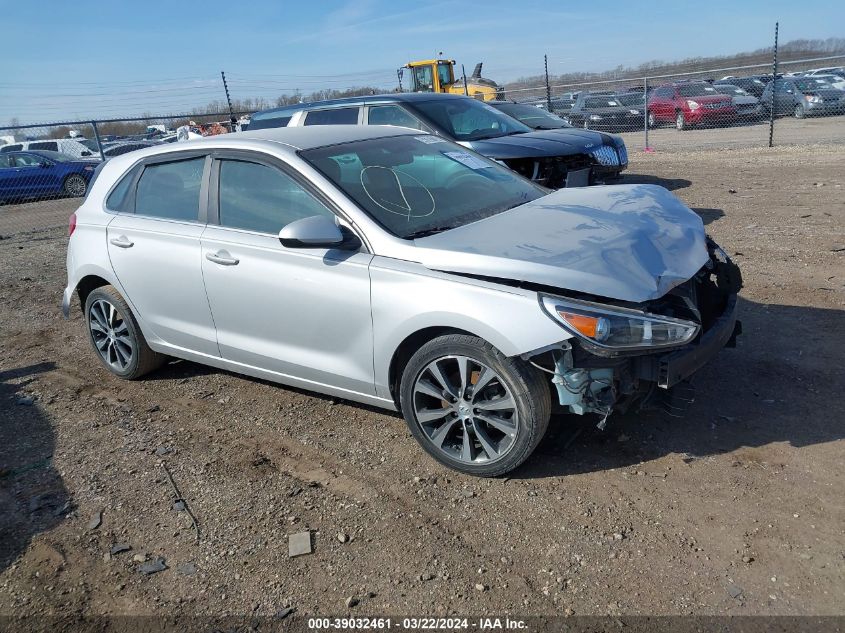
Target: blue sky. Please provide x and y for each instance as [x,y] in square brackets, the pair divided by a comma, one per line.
[100,58]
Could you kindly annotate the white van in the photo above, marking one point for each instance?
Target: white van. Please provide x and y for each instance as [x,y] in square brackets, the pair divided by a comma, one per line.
[81,149]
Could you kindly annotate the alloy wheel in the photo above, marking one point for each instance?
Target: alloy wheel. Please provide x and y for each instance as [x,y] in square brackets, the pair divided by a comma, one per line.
[76,186]
[111,335]
[465,410]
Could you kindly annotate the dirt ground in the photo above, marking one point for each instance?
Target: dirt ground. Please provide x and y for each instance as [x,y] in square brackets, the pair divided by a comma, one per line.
[737,508]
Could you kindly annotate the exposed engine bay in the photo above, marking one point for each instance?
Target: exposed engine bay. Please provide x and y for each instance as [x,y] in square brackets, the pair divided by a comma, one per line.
[589,377]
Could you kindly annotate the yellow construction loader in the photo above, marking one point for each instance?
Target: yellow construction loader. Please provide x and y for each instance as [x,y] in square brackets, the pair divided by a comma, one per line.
[438,75]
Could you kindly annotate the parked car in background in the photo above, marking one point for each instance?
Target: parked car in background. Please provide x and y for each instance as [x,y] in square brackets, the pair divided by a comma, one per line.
[689,103]
[803,96]
[76,148]
[752,85]
[836,81]
[747,106]
[27,175]
[830,70]
[582,141]
[398,269]
[110,150]
[562,104]
[540,155]
[603,111]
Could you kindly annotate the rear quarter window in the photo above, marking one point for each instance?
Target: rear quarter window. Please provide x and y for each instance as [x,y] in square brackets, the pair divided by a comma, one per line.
[335,116]
[118,199]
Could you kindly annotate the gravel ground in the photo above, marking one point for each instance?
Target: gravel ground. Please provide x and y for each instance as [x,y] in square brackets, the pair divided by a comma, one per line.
[735,509]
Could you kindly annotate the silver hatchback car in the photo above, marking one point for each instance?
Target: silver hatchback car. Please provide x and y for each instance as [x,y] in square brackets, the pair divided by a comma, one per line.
[398,269]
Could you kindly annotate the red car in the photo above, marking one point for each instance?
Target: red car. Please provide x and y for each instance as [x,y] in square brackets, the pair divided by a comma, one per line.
[689,103]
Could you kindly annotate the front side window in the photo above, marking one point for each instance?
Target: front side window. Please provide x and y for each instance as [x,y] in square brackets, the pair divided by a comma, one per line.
[423,80]
[392,115]
[260,198]
[469,119]
[171,190]
[335,116]
[418,184]
[11,148]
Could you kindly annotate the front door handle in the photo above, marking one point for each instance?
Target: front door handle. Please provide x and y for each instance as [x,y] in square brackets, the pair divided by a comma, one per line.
[122,242]
[223,258]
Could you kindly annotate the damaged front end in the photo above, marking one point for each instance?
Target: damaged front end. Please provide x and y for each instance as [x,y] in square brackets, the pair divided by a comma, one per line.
[626,354]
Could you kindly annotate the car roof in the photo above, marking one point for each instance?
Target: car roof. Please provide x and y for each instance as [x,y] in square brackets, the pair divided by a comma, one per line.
[399,97]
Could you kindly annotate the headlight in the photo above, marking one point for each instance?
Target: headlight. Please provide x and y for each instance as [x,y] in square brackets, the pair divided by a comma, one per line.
[595,117]
[89,168]
[813,99]
[634,111]
[693,105]
[618,328]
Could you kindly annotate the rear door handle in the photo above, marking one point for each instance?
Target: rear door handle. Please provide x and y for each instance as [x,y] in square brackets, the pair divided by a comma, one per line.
[122,242]
[223,258]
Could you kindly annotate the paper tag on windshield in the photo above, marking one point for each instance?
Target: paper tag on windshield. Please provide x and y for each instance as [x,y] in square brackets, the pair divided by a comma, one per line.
[428,140]
[467,159]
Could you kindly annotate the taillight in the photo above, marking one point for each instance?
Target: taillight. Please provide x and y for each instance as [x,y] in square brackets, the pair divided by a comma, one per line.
[71,224]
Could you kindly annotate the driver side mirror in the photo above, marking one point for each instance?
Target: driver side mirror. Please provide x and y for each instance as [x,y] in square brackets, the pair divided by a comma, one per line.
[317,231]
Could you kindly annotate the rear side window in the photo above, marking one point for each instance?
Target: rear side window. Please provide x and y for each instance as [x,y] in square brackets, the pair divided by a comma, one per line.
[392,115]
[117,198]
[48,145]
[171,190]
[260,198]
[335,116]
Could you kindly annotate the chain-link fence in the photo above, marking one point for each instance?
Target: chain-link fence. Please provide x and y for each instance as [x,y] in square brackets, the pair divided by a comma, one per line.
[736,106]
[46,169]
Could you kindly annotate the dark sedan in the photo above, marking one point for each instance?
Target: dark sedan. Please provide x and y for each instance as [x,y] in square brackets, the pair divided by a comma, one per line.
[589,140]
[541,155]
[39,174]
[605,112]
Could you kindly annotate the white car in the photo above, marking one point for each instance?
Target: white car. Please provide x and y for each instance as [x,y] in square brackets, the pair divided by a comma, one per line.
[68,146]
[395,268]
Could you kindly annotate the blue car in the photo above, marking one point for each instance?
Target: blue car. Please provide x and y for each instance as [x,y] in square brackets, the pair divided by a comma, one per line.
[43,173]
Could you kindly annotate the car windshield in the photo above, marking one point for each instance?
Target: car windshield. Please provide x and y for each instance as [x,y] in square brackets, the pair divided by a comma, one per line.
[420,184]
[631,99]
[812,84]
[697,90]
[468,119]
[600,102]
[532,116]
[729,90]
[89,143]
[56,156]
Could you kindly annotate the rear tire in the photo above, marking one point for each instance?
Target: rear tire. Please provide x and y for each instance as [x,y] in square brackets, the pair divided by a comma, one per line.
[75,186]
[116,337]
[472,408]
[680,120]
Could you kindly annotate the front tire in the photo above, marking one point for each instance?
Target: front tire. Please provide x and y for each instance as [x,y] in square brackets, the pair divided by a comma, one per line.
[680,121]
[75,186]
[116,337]
[652,122]
[799,111]
[471,408]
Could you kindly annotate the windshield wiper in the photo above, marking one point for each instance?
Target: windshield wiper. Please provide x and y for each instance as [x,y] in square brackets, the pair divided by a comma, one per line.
[427,232]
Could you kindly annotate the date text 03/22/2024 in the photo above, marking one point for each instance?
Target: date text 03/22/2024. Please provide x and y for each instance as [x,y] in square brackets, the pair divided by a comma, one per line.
[417,624]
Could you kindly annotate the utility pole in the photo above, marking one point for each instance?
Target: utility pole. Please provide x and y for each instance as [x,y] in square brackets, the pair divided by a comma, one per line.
[774,85]
[548,87]
[232,118]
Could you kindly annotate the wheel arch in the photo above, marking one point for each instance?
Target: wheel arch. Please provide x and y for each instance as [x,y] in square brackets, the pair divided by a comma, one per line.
[406,349]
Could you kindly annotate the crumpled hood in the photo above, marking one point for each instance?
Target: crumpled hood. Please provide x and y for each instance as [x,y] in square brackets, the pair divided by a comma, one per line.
[537,144]
[626,242]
